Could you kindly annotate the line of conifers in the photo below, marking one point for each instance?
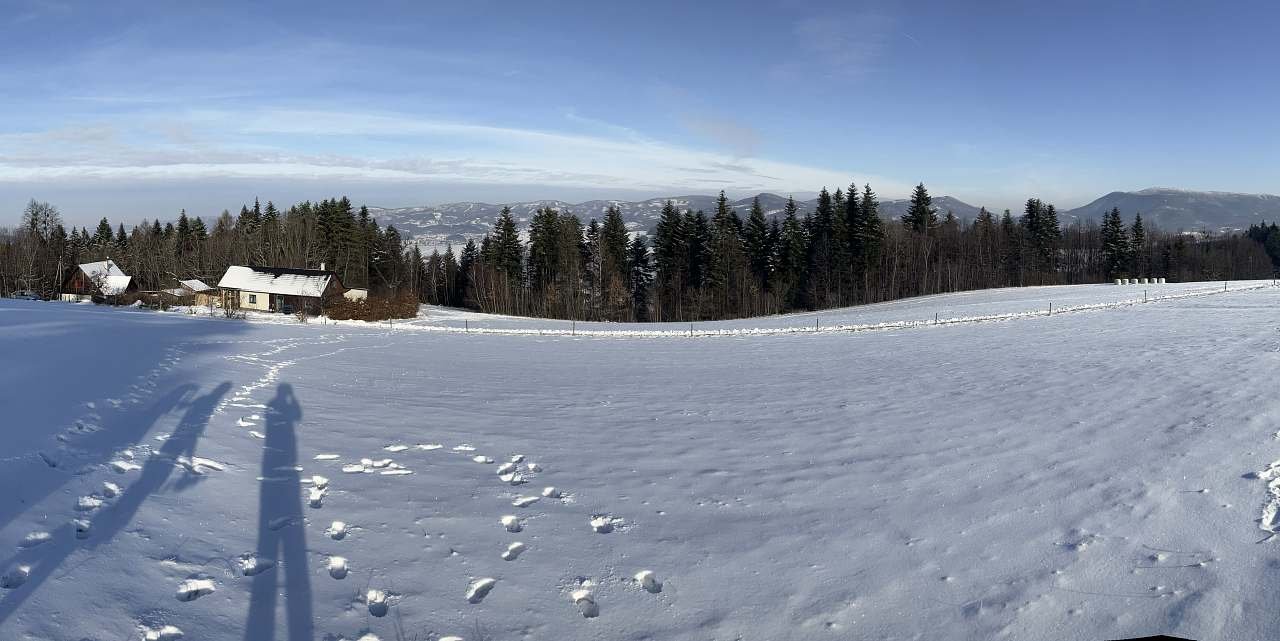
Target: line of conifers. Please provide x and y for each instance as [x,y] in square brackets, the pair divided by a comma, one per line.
[691,266]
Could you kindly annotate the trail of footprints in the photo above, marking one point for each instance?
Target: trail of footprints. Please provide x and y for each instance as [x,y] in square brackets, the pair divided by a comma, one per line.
[515,471]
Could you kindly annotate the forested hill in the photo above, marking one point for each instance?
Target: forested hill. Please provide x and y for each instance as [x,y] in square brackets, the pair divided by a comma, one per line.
[433,227]
[1174,209]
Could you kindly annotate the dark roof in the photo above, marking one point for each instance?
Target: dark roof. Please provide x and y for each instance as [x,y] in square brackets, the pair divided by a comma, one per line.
[280,271]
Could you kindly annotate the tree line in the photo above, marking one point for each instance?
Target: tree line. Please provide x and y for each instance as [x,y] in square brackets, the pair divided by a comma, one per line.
[699,267]
[691,266]
[40,253]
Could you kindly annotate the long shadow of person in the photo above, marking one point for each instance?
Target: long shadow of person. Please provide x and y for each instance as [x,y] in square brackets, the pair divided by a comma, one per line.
[282,541]
[122,429]
[109,521]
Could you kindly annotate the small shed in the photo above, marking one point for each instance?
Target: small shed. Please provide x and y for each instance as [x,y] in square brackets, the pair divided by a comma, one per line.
[203,294]
[99,281]
[279,289]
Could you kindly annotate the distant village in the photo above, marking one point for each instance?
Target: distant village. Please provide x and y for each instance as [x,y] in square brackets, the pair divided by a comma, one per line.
[283,290]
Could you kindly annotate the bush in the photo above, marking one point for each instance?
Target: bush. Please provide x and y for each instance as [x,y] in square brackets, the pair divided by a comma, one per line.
[373,308]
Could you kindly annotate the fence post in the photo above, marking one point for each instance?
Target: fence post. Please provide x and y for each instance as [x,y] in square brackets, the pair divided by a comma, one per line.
[573,331]
[1144,295]
[1051,308]
[815,324]
[690,330]
[466,326]
[935,318]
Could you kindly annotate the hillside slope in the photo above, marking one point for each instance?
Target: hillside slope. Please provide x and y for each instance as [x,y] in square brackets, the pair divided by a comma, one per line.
[1080,476]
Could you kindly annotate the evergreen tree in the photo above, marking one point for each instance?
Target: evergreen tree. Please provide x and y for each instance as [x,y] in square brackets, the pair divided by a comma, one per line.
[1138,246]
[639,270]
[921,216]
[756,244]
[508,252]
[671,258]
[793,256]
[103,237]
[1115,244]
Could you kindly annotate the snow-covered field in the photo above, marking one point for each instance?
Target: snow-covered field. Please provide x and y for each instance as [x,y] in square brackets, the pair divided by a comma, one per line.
[1095,474]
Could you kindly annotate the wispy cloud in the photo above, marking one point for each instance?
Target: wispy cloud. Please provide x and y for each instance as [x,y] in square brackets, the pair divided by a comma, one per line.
[843,44]
[389,147]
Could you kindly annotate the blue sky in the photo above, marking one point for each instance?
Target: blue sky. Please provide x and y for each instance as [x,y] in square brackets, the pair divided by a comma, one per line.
[135,110]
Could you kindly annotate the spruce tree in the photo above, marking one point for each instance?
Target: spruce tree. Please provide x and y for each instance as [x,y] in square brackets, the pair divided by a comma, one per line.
[508,252]
[793,256]
[103,237]
[1138,246]
[755,237]
[921,216]
[640,278]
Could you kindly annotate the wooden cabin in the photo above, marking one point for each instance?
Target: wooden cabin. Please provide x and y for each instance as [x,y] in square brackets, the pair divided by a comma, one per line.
[202,294]
[100,281]
[279,289]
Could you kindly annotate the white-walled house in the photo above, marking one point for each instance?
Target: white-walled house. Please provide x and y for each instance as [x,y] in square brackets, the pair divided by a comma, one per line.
[279,289]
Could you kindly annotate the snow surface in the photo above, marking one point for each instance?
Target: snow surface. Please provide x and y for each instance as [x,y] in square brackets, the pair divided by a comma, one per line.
[1097,474]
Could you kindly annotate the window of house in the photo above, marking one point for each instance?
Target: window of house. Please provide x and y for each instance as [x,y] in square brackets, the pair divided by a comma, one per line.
[253,299]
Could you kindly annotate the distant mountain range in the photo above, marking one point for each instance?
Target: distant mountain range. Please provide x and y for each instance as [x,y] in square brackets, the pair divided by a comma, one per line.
[1170,209]
[1174,209]
[454,223]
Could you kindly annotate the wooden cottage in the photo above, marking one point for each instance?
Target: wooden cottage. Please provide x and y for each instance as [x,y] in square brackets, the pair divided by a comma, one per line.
[279,289]
[98,281]
[202,294]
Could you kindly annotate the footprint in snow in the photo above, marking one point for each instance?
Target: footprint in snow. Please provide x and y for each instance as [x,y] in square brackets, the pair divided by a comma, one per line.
[584,598]
[281,522]
[338,569]
[396,448]
[511,523]
[36,538]
[326,457]
[377,602]
[525,501]
[192,589]
[337,531]
[162,633]
[82,528]
[479,589]
[88,503]
[15,577]
[649,581]
[121,467]
[513,551]
[604,524]
[251,565]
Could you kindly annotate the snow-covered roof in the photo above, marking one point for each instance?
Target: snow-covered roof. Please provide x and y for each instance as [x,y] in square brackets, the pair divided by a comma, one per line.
[277,280]
[195,285]
[111,280]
